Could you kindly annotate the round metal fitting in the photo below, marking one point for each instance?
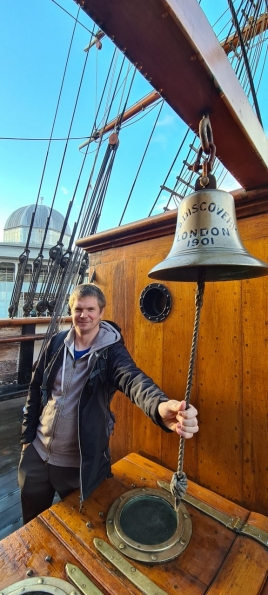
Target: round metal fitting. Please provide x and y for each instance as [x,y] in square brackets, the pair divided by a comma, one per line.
[144,524]
[48,585]
[155,302]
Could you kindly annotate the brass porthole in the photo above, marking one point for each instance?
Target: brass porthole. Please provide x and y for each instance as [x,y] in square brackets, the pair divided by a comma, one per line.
[143,525]
[40,585]
[155,302]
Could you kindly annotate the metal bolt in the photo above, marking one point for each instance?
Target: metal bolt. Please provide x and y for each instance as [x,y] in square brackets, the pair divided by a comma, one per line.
[133,485]
[153,557]
[133,569]
[29,572]
[48,558]
[101,513]
[182,542]
[110,521]
[88,525]
[122,546]
[40,581]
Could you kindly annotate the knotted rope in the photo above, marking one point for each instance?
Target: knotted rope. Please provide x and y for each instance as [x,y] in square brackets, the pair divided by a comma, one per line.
[178,484]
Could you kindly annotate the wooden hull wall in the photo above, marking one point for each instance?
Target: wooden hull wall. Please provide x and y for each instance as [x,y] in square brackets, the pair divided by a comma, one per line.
[229,455]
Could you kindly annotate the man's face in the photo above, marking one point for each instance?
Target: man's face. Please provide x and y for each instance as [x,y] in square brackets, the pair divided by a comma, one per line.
[86,314]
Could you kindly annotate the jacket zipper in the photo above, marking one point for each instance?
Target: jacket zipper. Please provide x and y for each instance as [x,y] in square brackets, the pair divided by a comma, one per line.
[58,412]
[97,354]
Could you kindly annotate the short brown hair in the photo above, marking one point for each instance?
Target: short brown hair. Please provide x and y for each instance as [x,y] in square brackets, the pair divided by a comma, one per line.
[85,290]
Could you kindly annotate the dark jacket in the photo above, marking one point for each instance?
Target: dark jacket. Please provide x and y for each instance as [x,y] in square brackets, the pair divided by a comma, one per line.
[121,373]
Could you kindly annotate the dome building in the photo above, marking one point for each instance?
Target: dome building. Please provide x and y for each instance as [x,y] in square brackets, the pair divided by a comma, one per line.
[16,232]
[18,224]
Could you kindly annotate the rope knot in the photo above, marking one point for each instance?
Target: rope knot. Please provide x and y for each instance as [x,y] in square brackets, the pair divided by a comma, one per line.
[178,487]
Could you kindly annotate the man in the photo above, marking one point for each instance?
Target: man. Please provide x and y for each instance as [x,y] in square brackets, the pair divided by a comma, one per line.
[67,446]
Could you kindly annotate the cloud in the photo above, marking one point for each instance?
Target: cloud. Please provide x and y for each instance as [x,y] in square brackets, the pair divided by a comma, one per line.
[159,207]
[228,183]
[168,120]
[64,190]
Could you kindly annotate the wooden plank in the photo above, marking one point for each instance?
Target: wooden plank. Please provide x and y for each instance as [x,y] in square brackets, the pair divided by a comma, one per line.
[255,381]
[210,84]
[78,537]
[219,375]
[216,560]
[9,529]
[10,414]
[10,508]
[245,570]
[94,511]
[27,549]
[8,482]
[9,459]
[194,489]
[191,573]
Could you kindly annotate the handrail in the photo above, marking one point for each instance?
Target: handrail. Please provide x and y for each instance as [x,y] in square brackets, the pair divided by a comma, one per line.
[7,322]
[21,338]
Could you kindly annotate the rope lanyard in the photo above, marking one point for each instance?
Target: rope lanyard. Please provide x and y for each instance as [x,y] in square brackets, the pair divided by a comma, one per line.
[178,485]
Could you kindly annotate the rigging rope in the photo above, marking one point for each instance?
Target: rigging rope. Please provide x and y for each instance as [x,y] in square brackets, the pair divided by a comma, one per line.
[23,260]
[142,160]
[245,58]
[56,252]
[71,265]
[256,8]
[170,169]
[22,266]
[74,266]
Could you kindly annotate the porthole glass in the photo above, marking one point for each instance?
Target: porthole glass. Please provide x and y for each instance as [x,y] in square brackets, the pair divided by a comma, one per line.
[155,302]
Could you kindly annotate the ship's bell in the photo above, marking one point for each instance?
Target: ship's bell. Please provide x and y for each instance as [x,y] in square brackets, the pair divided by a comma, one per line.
[207,236]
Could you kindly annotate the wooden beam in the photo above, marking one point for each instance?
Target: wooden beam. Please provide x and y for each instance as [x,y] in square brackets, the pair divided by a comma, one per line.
[173,45]
[247,204]
[132,111]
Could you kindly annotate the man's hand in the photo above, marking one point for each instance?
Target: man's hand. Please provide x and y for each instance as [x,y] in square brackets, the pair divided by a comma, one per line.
[176,417]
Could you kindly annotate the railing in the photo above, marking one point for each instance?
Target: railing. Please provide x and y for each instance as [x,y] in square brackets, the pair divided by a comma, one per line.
[20,342]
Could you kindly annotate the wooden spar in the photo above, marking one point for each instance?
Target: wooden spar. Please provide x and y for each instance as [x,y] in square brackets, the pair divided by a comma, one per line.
[232,42]
[132,111]
[175,48]
[248,32]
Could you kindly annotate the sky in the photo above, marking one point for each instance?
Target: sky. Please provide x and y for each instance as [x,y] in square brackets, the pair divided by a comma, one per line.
[35,40]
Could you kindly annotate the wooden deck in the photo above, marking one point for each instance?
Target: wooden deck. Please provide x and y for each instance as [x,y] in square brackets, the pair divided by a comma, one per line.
[10,430]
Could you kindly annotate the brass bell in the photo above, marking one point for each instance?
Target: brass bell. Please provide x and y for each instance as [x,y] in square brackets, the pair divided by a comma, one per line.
[207,236]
